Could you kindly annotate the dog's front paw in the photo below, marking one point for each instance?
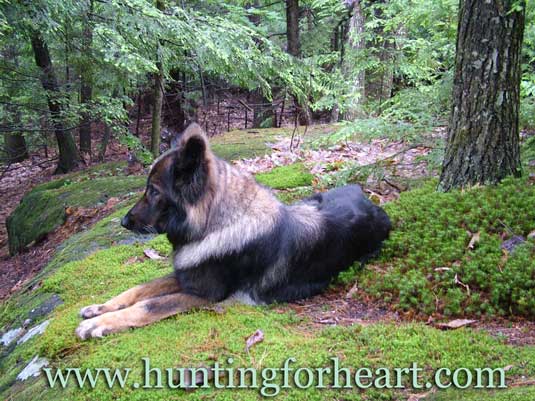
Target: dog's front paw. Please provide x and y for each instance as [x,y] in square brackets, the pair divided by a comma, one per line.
[91,311]
[92,328]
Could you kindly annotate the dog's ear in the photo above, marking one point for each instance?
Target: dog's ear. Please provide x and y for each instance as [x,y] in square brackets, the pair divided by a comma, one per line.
[192,150]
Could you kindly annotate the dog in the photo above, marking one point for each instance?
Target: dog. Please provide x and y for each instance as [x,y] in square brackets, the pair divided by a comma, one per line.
[233,240]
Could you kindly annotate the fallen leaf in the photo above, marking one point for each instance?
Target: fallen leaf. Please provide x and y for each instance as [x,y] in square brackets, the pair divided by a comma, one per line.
[455,324]
[419,397]
[508,368]
[531,235]
[255,338]
[132,260]
[152,254]
[351,293]
[474,240]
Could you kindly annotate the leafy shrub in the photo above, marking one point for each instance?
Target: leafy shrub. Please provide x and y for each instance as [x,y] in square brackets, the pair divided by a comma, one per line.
[427,264]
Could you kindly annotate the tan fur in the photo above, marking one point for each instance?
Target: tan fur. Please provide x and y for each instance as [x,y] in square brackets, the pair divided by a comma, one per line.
[156,288]
[138,315]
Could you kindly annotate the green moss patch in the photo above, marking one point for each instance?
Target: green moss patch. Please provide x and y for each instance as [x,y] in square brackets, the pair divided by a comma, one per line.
[430,265]
[284,177]
[43,208]
[246,144]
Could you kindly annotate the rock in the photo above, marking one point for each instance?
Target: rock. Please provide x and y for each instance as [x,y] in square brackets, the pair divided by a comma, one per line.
[511,244]
[45,308]
[34,331]
[455,324]
[11,336]
[43,209]
[33,369]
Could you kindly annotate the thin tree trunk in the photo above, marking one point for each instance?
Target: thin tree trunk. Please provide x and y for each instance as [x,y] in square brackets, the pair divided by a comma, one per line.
[262,107]
[104,143]
[68,155]
[294,48]
[14,142]
[357,43]
[380,79]
[483,137]
[86,88]
[157,101]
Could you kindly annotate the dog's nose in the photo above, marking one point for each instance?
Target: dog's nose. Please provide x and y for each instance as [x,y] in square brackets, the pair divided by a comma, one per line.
[125,221]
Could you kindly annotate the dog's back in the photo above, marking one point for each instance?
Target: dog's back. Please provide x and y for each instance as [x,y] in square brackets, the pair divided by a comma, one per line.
[349,228]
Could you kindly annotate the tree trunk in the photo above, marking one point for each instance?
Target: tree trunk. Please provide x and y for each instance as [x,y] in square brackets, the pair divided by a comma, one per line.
[292,28]
[157,111]
[380,79]
[357,43]
[104,143]
[483,137]
[263,107]
[68,155]
[14,142]
[294,48]
[157,101]
[15,145]
[86,88]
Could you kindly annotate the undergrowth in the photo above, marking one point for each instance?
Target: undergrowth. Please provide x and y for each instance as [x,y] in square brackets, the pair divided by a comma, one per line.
[445,255]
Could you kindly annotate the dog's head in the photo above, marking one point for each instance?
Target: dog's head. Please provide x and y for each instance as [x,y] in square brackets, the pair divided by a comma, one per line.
[178,183]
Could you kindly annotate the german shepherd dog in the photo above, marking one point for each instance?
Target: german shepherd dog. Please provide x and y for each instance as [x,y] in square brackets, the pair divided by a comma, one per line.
[232,239]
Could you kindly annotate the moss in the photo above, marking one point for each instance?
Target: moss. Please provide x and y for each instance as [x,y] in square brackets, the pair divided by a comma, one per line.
[199,337]
[43,209]
[246,144]
[284,177]
[292,195]
[104,234]
[428,256]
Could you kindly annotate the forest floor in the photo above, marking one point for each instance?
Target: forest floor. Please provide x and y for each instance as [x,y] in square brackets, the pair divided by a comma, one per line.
[344,321]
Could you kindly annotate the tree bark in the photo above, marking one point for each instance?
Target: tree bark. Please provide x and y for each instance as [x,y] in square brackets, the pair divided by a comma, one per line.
[294,48]
[14,142]
[68,155]
[357,43]
[15,145]
[292,28]
[379,80]
[157,100]
[263,107]
[483,136]
[86,88]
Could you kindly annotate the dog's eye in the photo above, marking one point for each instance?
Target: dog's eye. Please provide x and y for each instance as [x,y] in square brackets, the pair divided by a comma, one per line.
[152,191]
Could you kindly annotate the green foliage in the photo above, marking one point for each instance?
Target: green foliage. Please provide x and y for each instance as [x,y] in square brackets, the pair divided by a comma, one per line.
[427,264]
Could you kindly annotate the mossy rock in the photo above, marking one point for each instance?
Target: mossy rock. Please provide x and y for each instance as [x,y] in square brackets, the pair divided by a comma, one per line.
[43,209]
[286,177]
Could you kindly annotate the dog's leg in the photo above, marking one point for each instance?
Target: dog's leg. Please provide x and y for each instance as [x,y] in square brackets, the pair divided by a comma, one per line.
[152,289]
[140,314]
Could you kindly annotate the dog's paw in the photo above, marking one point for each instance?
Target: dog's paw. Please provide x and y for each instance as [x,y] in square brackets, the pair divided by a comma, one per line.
[91,311]
[92,328]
